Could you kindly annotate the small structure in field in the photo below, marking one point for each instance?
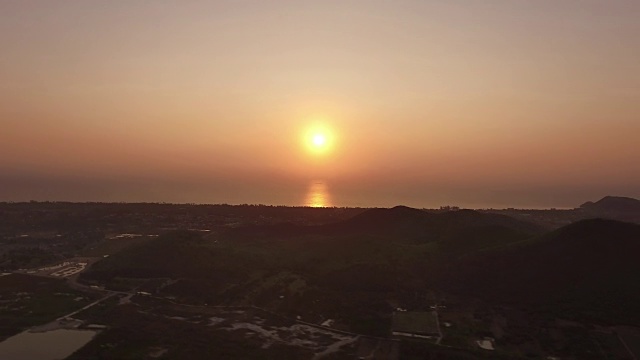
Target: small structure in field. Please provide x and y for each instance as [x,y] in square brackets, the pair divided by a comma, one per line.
[486,343]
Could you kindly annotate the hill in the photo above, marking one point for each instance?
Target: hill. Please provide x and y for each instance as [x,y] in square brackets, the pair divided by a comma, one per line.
[400,236]
[348,269]
[613,204]
[586,270]
[344,270]
[393,241]
[399,224]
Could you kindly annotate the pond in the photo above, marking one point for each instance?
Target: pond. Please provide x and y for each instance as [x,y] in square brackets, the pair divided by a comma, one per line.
[50,345]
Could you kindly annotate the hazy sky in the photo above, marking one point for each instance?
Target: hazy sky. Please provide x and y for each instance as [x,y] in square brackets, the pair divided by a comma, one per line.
[476,103]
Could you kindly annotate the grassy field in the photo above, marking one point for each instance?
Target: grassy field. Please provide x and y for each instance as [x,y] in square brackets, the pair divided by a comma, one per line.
[357,273]
[112,246]
[415,322]
[135,333]
[27,300]
[631,338]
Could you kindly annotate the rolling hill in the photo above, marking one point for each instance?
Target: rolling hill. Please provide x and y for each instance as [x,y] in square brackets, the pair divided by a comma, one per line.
[588,269]
[613,204]
[378,250]
[398,224]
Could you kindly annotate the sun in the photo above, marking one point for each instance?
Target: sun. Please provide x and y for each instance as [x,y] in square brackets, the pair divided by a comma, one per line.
[318,140]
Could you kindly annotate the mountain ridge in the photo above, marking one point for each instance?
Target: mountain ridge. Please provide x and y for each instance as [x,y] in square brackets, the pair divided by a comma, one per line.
[616,204]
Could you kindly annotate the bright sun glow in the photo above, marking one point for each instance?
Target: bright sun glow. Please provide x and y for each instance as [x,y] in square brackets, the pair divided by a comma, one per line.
[318,139]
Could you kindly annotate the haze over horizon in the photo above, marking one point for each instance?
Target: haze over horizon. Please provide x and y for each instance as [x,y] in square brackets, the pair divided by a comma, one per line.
[424,103]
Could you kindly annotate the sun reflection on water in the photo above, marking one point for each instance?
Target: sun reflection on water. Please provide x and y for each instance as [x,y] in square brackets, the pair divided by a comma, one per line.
[318,195]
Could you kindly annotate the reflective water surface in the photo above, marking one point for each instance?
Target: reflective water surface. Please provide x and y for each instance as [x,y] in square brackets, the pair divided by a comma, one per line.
[318,195]
[50,345]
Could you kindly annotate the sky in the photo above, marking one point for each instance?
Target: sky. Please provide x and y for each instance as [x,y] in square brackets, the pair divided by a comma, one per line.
[493,103]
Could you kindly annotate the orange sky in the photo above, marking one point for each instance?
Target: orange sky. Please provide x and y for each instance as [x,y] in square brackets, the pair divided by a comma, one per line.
[475,103]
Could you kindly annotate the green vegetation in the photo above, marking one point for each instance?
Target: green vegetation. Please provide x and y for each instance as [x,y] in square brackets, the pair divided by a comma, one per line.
[112,246]
[134,334]
[344,271]
[421,350]
[500,278]
[26,301]
[415,322]
[349,271]
[27,257]
[583,271]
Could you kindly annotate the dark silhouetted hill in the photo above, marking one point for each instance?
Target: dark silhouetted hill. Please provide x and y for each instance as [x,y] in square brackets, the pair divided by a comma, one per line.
[589,269]
[377,250]
[613,204]
[404,224]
